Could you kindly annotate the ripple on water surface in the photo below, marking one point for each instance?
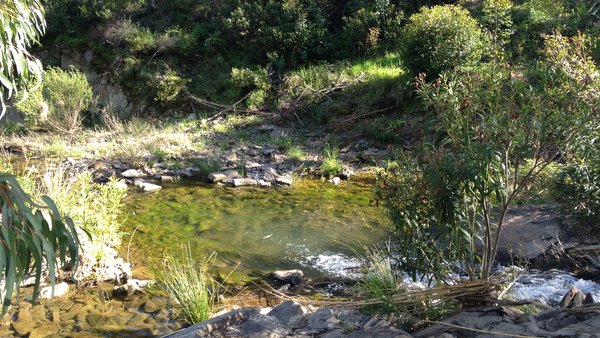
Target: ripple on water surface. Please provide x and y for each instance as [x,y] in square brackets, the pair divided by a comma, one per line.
[312,226]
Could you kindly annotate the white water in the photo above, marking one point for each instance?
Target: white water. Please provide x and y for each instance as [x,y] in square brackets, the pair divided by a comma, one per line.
[549,287]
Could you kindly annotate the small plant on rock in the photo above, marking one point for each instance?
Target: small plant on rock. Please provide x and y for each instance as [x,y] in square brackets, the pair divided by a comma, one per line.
[331,166]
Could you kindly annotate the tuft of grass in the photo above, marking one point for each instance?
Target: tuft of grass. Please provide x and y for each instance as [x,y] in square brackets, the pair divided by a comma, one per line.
[190,284]
[331,166]
[380,279]
[207,165]
[295,153]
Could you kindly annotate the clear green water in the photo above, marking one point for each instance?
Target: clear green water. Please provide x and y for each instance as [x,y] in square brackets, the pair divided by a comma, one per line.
[313,226]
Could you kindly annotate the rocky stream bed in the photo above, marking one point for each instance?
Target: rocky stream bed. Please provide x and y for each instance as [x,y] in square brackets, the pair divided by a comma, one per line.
[533,234]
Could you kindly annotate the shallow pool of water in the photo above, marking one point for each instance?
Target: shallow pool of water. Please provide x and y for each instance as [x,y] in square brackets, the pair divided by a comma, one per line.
[313,226]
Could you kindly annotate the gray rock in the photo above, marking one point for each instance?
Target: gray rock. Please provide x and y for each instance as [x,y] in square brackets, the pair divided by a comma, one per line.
[232,174]
[286,311]
[284,180]
[132,173]
[388,332]
[346,173]
[263,183]
[240,182]
[217,177]
[220,323]
[278,133]
[270,174]
[336,180]
[575,297]
[292,277]
[60,290]
[261,326]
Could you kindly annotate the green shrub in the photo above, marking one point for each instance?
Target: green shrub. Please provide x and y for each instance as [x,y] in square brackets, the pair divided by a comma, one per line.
[295,153]
[441,38]
[370,25]
[255,81]
[578,188]
[330,165]
[34,236]
[60,101]
[190,284]
[169,86]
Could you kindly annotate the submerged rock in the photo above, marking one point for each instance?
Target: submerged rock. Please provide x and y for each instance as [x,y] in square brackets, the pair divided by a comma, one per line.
[146,186]
[60,290]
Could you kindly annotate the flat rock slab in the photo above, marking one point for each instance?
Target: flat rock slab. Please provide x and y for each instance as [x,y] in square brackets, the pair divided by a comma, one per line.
[528,232]
[497,322]
[330,322]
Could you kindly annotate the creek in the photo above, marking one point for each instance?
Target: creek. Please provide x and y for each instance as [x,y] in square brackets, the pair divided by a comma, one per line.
[312,226]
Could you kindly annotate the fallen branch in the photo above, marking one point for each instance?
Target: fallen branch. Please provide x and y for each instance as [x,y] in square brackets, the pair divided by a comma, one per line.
[223,108]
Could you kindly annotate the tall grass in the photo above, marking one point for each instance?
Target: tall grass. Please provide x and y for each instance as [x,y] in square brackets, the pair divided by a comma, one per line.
[94,207]
[380,277]
[190,284]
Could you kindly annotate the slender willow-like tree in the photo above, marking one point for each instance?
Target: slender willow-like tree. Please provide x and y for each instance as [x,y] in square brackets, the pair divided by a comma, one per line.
[32,235]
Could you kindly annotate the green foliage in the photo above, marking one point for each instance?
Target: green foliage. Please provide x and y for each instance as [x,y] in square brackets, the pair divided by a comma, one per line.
[371,25]
[169,86]
[386,130]
[190,284]
[330,165]
[96,208]
[380,278]
[21,23]
[32,235]
[490,127]
[207,166]
[295,153]
[498,23]
[60,102]
[442,38]
[578,187]
[254,81]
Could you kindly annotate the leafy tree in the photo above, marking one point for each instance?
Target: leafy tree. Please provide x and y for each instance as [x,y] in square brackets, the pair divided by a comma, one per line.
[31,234]
[498,130]
[21,23]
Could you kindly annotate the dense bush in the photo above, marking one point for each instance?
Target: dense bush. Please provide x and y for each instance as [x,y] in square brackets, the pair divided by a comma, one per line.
[371,25]
[441,38]
[578,188]
[60,102]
